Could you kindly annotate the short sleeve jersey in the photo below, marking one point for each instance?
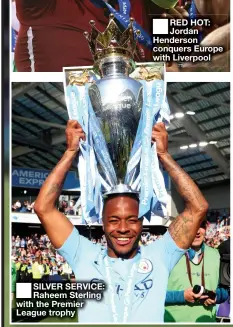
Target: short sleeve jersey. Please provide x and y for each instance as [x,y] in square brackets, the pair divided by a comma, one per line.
[153,266]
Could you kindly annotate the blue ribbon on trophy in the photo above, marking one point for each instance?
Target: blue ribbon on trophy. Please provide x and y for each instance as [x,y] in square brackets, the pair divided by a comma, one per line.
[153,197]
[80,109]
[123,16]
[115,158]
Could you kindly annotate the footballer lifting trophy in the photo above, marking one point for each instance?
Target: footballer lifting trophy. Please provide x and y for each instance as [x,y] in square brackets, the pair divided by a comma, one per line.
[117,102]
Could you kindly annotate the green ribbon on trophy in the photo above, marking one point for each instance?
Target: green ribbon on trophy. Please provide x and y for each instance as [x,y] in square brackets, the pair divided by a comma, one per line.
[117,113]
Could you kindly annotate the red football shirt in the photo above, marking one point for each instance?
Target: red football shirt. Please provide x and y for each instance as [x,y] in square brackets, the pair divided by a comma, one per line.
[51,32]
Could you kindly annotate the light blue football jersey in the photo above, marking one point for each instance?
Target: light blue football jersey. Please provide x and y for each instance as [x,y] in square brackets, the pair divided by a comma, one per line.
[154,263]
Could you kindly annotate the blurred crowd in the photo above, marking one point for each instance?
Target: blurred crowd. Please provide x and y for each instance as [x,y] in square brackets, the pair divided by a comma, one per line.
[36,259]
[218,228]
[148,238]
[102,241]
[215,235]
[71,207]
[23,206]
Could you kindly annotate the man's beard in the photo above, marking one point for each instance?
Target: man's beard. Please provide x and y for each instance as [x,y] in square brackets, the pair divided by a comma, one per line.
[119,254]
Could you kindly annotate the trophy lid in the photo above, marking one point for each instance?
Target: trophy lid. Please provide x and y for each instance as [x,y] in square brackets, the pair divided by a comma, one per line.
[121,189]
[113,42]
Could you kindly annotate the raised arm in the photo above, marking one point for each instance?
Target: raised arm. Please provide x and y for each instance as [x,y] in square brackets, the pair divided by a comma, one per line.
[57,226]
[184,228]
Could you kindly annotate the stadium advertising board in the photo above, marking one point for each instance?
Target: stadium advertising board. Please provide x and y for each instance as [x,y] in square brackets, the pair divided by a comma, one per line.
[34,178]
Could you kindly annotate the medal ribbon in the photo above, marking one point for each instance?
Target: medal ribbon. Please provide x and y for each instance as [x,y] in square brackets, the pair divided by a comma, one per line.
[127,292]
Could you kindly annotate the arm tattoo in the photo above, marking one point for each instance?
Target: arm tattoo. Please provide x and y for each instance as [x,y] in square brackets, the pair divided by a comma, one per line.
[180,229]
[55,188]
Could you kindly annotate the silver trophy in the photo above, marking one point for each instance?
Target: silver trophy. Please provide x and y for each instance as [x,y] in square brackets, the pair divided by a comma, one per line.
[116,97]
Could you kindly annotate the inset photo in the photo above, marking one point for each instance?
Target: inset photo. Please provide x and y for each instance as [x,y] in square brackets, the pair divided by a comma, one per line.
[187,36]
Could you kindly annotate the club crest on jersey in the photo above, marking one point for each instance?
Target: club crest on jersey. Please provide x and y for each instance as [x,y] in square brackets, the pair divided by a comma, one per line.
[145,266]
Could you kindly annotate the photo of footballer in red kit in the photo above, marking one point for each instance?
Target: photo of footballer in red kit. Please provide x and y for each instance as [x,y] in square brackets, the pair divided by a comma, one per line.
[46,38]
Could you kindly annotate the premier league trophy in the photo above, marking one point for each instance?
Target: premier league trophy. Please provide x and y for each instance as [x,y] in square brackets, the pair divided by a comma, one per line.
[117,113]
